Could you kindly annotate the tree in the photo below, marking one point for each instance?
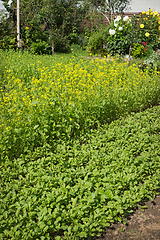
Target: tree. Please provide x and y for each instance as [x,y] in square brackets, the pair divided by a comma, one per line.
[109,6]
[62,16]
[117,5]
[59,19]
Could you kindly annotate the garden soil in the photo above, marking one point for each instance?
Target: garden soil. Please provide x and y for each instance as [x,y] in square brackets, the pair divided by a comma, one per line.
[142,224]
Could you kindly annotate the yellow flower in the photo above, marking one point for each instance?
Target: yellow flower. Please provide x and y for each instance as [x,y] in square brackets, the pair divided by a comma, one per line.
[155,13]
[150,10]
[147,13]
[159,28]
[27,27]
[143,12]
[142,26]
[147,34]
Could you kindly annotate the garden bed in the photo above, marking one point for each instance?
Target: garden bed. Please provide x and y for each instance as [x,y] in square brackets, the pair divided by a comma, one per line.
[75,155]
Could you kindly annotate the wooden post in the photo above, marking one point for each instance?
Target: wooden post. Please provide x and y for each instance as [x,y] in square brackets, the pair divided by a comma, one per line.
[52,47]
[18,24]
[130,49]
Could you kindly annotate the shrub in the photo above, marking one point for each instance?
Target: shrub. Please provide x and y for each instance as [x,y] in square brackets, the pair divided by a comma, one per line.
[8,42]
[95,43]
[141,50]
[82,41]
[119,38]
[73,36]
[124,32]
[40,47]
[61,43]
[146,27]
[115,39]
[152,63]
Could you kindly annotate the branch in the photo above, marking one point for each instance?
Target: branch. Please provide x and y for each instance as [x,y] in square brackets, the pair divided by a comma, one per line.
[104,15]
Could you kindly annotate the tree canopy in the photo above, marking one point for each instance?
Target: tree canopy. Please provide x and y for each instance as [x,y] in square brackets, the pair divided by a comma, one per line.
[110,5]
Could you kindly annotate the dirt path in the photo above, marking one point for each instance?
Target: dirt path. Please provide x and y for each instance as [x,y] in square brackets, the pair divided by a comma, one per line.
[143,224]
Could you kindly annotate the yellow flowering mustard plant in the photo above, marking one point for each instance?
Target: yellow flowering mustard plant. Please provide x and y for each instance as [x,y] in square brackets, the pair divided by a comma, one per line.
[46,98]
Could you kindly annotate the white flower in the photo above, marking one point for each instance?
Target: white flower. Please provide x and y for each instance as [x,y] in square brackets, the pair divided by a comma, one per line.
[118,18]
[125,18]
[112,31]
[115,23]
[120,28]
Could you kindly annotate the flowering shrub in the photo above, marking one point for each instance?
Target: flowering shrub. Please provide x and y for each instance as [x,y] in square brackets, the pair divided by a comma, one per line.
[146,27]
[141,50]
[125,31]
[138,51]
[119,38]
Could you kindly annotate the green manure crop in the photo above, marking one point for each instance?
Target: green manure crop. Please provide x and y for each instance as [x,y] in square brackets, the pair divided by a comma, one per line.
[83,185]
[67,169]
[45,98]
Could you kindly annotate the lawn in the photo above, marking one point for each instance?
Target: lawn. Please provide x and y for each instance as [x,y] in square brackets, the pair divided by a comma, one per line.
[79,144]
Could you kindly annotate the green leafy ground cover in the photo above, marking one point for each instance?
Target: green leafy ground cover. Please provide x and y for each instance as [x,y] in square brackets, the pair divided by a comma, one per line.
[83,185]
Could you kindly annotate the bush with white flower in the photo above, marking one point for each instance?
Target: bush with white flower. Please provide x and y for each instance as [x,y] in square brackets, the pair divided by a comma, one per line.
[119,38]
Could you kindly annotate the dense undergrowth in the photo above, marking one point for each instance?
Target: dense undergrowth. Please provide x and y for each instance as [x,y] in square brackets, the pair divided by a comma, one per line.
[66,173]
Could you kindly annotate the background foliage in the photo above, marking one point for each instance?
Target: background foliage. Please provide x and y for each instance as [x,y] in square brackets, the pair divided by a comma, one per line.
[57,21]
[128,32]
